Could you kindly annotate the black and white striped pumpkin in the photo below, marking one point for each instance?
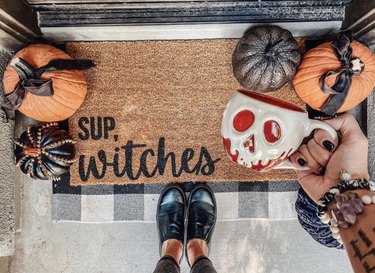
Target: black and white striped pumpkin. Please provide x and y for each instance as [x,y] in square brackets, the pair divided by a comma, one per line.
[44,152]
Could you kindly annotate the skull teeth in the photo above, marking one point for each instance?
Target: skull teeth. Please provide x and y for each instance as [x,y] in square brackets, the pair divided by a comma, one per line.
[266,162]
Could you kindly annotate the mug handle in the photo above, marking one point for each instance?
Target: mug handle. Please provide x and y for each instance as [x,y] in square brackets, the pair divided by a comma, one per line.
[314,124]
[317,124]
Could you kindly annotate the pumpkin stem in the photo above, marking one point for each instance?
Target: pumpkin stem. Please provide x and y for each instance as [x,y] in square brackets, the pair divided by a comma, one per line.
[271,46]
[357,66]
[32,151]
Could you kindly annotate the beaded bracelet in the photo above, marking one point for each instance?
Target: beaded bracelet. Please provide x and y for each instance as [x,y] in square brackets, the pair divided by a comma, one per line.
[347,206]
[346,184]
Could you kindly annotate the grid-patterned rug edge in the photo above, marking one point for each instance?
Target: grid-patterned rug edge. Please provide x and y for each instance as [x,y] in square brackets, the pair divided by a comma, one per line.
[272,200]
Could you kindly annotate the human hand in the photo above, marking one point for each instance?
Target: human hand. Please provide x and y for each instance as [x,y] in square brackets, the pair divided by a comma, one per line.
[325,161]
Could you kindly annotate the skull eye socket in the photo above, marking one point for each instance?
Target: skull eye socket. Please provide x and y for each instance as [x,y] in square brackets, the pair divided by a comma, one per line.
[243,120]
[272,131]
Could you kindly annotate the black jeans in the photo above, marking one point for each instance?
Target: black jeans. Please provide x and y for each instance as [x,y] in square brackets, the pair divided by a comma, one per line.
[168,265]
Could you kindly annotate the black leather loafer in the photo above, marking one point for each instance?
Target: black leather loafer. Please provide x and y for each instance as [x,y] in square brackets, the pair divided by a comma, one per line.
[170,216]
[201,214]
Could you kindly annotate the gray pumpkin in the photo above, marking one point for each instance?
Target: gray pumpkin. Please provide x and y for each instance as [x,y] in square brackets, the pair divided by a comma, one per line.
[265,58]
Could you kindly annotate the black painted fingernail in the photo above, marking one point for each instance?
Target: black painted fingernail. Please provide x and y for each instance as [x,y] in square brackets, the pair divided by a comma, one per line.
[301,162]
[322,170]
[328,145]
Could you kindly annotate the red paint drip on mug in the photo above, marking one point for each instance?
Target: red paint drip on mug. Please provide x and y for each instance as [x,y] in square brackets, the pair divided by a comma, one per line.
[227,145]
[271,164]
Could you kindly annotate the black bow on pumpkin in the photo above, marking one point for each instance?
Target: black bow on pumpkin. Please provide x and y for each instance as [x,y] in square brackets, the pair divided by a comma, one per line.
[350,67]
[30,80]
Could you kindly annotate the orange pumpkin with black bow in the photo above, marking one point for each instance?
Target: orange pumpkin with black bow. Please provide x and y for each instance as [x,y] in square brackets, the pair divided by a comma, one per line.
[336,76]
[44,83]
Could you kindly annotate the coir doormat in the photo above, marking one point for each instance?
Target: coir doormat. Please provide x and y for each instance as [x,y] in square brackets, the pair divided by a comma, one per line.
[153,113]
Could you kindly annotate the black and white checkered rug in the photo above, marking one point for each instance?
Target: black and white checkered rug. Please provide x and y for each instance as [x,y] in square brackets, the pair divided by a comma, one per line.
[137,202]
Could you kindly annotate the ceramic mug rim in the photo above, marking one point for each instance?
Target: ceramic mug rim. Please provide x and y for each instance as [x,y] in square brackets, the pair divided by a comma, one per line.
[271,101]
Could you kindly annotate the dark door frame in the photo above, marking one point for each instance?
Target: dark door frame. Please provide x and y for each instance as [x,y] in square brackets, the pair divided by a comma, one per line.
[18,24]
[360,17]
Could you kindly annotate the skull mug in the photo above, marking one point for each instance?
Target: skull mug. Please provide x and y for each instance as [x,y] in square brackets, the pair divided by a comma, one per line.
[261,132]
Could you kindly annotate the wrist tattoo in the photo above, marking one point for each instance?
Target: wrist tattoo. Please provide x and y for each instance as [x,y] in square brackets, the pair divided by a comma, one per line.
[364,238]
[366,257]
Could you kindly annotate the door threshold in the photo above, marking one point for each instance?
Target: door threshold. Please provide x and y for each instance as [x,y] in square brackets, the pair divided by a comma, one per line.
[180,32]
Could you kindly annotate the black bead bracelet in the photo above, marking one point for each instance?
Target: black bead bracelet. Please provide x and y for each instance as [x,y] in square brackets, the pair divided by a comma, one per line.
[346,184]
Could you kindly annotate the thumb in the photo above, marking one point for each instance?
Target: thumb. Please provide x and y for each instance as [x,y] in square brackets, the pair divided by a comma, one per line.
[312,184]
